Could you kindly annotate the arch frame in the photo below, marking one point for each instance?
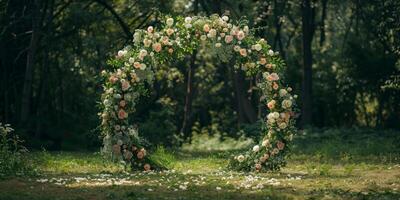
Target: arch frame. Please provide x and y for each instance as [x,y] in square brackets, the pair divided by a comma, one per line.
[131,73]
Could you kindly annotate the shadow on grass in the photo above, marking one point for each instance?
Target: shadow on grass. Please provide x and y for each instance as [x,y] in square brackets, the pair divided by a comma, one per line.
[20,190]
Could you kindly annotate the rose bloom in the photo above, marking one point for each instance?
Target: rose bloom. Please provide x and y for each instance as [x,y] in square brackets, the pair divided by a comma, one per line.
[170,21]
[135,78]
[280,145]
[143,150]
[228,39]
[257,47]
[157,47]
[265,143]
[286,103]
[146,42]
[236,48]
[240,35]
[256,148]
[269,65]
[122,114]
[258,166]
[271,104]
[243,52]
[137,65]
[206,28]
[146,167]
[113,79]
[170,31]
[263,61]
[274,76]
[125,85]
[212,33]
[140,155]
[150,29]
[240,158]
[122,103]
[282,92]
[263,159]
[275,151]
[170,50]
[275,86]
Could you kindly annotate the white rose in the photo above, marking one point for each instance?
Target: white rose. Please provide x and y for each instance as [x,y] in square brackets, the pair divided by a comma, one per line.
[188,20]
[122,53]
[170,21]
[218,45]
[143,66]
[225,18]
[265,143]
[276,115]
[282,92]
[256,148]
[270,52]
[282,125]
[257,47]
[286,103]
[143,53]
[240,158]
[131,60]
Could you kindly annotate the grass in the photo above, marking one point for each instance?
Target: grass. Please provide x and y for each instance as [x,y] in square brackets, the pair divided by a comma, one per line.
[333,165]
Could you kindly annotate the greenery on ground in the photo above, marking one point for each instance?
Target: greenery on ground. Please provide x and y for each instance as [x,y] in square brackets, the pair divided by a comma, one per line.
[326,164]
[13,158]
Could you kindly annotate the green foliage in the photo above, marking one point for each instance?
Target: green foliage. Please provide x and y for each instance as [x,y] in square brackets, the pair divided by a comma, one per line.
[13,158]
[212,139]
[162,157]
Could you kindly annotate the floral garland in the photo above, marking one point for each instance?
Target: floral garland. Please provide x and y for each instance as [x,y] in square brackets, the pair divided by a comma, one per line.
[132,70]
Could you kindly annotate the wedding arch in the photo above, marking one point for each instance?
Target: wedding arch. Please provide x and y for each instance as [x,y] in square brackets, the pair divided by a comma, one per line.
[131,73]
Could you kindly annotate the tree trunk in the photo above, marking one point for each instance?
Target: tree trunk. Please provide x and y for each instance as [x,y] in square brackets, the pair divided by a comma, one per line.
[307,29]
[245,109]
[30,62]
[189,96]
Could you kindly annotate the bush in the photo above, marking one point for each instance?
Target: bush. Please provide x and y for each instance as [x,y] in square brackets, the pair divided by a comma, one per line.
[12,154]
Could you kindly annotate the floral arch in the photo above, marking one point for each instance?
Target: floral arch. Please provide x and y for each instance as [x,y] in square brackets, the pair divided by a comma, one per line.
[131,73]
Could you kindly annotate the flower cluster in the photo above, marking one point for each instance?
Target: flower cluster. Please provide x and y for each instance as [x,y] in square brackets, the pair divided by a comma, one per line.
[132,71]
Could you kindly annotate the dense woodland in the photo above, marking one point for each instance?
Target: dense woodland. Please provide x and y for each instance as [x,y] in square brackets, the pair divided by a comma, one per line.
[343,60]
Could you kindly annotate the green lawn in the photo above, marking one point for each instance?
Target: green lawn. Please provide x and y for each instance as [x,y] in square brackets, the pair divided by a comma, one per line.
[320,168]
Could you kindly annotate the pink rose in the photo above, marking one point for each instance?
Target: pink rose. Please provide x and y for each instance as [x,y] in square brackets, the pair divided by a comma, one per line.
[206,28]
[271,104]
[275,85]
[122,114]
[125,85]
[150,29]
[258,166]
[280,145]
[243,52]
[140,155]
[170,31]
[146,167]
[240,35]
[122,103]
[113,79]
[157,47]
[137,65]
[263,61]
[228,39]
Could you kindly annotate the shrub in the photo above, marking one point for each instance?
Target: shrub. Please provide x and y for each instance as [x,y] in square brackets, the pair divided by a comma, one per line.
[12,154]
